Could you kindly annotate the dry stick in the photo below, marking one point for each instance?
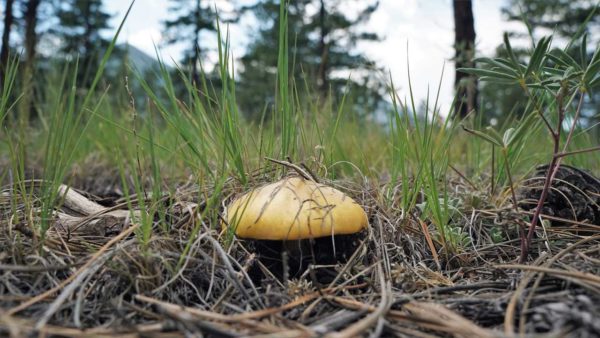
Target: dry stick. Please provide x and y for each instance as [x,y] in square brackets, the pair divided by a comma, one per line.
[580,151]
[69,289]
[183,267]
[34,268]
[529,298]
[80,298]
[408,332]
[512,304]
[77,202]
[214,316]
[348,264]
[211,315]
[385,303]
[561,273]
[309,309]
[27,325]
[552,169]
[69,279]
[232,274]
[227,291]
[435,317]
[439,314]
[297,168]
[565,220]
[463,177]
[430,244]
[91,210]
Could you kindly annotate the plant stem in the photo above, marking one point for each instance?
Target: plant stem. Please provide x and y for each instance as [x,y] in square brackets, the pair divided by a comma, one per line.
[580,151]
[510,180]
[553,168]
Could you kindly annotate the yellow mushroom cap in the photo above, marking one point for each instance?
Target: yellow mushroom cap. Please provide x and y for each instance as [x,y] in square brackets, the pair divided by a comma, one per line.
[295,208]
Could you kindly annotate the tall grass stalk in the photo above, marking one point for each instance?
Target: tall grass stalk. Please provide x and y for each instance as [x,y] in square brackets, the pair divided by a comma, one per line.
[66,129]
[284,106]
[7,101]
[230,119]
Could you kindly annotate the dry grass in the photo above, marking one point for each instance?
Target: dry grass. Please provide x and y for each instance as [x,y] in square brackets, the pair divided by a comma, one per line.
[82,283]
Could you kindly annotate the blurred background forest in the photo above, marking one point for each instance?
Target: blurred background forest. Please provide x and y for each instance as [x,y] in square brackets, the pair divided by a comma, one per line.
[328,60]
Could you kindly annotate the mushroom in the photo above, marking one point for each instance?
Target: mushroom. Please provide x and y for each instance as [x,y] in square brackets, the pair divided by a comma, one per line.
[308,220]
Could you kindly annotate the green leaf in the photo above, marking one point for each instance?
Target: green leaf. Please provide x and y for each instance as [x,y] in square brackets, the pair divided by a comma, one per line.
[506,62]
[571,73]
[595,82]
[496,63]
[487,72]
[496,80]
[566,58]
[552,70]
[557,60]
[525,126]
[583,49]
[551,86]
[483,136]
[539,53]
[594,68]
[596,56]
[551,80]
[507,138]
[583,25]
[510,51]
[493,133]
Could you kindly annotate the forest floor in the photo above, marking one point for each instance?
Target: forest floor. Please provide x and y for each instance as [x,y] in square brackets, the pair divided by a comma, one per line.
[93,276]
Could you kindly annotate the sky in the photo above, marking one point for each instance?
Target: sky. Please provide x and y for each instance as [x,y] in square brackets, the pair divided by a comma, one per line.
[418,33]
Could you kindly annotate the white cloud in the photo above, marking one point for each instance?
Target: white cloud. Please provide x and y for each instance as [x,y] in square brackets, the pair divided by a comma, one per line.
[146,39]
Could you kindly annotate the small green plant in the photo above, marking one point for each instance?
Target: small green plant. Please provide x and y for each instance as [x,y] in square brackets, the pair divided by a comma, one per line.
[420,151]
[556,84]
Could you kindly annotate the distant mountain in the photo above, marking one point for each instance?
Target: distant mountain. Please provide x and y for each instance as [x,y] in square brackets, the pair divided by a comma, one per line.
[138,59]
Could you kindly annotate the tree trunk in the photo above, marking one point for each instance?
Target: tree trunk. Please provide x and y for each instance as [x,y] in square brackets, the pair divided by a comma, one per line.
[322,76]
[464,43]
[31,10]
[8,21]
[30,33]
[196,58]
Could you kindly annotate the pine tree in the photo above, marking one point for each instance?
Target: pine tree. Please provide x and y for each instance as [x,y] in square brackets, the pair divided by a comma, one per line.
[8,22]
[191,19]
[258,73]
[81,23]
[564,19]
[30,17]
[321,44]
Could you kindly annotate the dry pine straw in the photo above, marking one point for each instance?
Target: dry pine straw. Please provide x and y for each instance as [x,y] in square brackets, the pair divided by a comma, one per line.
[92,277]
